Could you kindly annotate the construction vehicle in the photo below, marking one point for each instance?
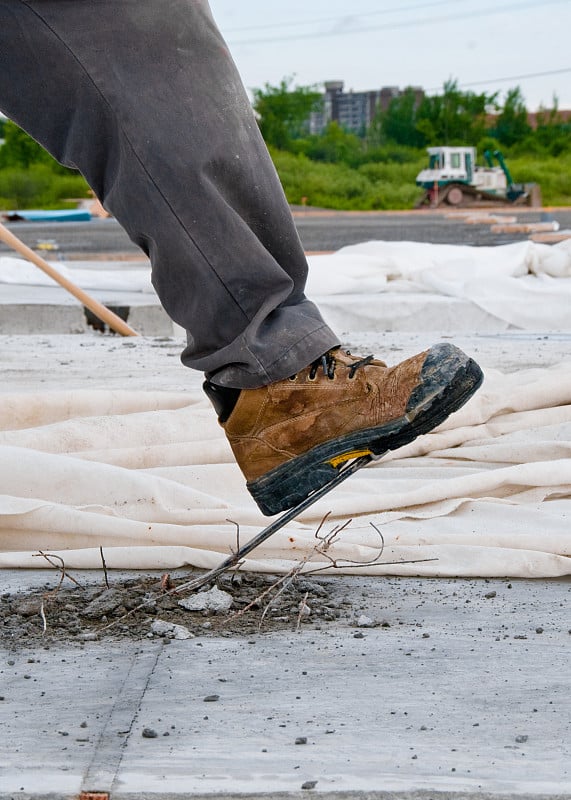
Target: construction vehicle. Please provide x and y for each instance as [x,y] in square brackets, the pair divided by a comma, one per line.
[453,177]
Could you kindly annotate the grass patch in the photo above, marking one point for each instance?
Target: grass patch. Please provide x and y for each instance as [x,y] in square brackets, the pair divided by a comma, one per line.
[39,187]
[553,174]
[338,186]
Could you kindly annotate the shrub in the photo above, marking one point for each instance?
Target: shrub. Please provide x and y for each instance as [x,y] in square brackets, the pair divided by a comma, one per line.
[337,186]
[552,174]
[39,187]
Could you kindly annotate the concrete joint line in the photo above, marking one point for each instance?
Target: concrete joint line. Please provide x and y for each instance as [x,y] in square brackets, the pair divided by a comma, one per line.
[100,776]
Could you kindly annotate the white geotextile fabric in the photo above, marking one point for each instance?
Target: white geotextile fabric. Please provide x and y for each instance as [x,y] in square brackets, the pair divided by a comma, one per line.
[525,285]
[18,272]
[150,478]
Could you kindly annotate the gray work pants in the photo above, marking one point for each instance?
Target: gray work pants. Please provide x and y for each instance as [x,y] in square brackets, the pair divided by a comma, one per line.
[143,98]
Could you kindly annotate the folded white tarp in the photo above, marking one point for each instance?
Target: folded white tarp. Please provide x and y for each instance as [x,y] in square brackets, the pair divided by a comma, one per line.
[17,272]
[150,478]
[524,285]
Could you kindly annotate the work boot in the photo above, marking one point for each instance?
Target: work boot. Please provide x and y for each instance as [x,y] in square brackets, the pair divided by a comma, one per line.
[292,437]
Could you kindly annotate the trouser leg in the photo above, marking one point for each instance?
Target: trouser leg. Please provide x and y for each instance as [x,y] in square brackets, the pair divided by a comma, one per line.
[143,98]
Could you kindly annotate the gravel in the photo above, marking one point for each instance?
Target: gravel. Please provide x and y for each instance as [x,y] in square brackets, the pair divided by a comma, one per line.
[139,608]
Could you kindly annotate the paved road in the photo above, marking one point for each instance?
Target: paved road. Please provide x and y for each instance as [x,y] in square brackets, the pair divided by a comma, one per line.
[318,231]
[330,232]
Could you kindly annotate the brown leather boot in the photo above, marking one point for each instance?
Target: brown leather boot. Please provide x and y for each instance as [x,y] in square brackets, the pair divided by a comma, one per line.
[292,437]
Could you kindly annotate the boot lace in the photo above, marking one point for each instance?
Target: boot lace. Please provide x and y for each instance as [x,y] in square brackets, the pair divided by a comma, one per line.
[328,363]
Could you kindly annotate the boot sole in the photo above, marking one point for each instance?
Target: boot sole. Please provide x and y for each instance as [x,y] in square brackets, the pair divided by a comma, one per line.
[290,483]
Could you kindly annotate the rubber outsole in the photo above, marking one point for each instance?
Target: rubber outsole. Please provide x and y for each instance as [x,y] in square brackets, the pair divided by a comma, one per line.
[290,483]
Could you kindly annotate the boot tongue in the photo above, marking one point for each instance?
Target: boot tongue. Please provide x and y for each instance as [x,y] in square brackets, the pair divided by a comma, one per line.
[223,398]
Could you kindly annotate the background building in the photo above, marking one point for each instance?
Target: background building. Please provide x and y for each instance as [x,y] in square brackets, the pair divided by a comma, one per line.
[354,111]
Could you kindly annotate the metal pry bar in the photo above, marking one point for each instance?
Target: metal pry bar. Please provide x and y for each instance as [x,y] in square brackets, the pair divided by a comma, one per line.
[273,527]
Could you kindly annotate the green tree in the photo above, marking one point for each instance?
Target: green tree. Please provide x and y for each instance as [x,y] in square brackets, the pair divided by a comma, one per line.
[552,133]
[512,125]
[454,117]
[335,144]
[398,123]
[283,111]
[20,150]
[549,117]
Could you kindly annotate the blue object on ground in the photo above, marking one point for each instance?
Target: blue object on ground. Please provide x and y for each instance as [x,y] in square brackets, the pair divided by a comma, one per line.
[67,215]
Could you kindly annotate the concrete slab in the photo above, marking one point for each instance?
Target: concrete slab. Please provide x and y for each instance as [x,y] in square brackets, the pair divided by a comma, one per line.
[107,361]
[52,310]
[459,693]
[461,696]
[429,686]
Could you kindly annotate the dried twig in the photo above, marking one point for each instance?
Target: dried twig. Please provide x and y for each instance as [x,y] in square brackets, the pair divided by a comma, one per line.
[283,583]
[104,567]
[166,582]
[336,564]
[43,616]
[231,521]
[324,542]
[286,579]
[302,607]
[358,565]
[60,567]
[328,540]
[256,600]
[51,594]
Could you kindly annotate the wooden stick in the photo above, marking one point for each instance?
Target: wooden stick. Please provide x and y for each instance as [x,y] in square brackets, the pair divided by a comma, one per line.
[104,314]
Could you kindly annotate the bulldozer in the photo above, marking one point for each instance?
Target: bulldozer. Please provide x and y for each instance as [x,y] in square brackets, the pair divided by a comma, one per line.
[454,178]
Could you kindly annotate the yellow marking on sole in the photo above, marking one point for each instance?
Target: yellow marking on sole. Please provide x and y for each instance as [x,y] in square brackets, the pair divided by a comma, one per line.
[338,460]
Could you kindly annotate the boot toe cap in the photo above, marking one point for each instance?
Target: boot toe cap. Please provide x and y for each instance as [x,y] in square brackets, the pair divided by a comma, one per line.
[447,372]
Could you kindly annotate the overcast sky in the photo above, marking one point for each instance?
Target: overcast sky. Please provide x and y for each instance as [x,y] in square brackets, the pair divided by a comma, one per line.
[486,45]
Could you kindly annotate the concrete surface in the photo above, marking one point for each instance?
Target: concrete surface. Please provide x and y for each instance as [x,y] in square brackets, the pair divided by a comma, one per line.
[46,309]
[51,309]
[460,697]
[31,363]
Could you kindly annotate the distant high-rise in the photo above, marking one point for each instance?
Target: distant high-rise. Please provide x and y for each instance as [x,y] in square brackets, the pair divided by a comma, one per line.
[354,111]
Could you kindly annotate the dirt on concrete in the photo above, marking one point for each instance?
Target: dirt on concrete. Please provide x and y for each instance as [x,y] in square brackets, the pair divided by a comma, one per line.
[147,607]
